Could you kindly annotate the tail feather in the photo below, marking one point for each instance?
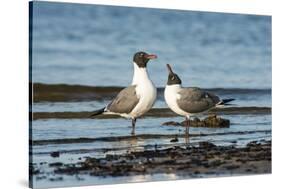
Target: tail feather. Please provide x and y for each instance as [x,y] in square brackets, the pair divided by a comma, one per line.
[97,112]
[225,101]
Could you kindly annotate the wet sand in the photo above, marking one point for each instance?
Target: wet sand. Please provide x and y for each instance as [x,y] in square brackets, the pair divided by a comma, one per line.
[155,112]
[66,93]
[202,159]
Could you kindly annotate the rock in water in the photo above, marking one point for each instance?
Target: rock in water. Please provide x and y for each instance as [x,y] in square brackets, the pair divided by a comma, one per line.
[172,123]
[205,144]
[211,122]
[214,121]
[174,139]
[55,154]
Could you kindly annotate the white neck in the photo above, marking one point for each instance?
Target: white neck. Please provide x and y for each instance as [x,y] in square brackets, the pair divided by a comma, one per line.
[140,75]
[175,87]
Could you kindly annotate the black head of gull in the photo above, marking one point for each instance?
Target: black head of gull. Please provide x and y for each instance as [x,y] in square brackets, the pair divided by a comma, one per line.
[142,58]
[173,79]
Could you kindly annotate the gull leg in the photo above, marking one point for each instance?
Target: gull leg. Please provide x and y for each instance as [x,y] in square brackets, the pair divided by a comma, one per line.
[187,122]
[187,126]
[134,120]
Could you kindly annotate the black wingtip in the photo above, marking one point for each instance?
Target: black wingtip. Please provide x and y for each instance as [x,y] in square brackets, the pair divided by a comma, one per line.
[226,101]
[97,112]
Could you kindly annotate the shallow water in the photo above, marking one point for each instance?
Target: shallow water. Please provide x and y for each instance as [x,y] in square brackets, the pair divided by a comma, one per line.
[103,133]
[89,180]
[243,129]
[94,128]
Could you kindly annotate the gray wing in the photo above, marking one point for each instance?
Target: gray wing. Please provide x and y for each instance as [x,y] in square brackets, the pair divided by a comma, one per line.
[195,100]
[125,101]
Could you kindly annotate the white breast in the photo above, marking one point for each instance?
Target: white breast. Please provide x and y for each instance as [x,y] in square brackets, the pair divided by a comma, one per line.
[145,90]
[171,96]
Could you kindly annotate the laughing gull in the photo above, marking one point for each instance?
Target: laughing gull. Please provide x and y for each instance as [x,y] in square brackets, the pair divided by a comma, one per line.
[135,100]
[189,101]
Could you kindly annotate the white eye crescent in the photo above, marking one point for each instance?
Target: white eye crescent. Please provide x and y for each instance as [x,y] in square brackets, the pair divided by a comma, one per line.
[173,78]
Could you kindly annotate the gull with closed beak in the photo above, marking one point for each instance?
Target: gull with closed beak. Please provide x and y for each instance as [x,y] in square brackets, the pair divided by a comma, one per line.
[137,99]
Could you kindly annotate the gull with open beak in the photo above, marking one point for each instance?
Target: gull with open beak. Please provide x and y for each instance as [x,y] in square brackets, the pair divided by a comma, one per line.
[189,101]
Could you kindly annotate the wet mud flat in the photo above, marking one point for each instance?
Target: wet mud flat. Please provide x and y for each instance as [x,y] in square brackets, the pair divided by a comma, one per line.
[43,92]
[155,112]
[198,160]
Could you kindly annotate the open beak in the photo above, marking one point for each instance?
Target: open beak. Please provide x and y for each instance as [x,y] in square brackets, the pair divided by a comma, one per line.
[151,56]
[170,69]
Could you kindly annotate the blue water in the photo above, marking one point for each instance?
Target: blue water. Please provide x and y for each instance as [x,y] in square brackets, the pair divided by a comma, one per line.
[94,45]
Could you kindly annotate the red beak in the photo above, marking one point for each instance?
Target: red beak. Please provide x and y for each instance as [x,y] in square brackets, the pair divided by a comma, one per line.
[151,56]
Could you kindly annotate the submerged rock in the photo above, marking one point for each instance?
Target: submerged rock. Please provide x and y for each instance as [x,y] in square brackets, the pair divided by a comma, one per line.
[211,121]
[55,154]
[56,164]
[174,123]
[174,139]
[205,144]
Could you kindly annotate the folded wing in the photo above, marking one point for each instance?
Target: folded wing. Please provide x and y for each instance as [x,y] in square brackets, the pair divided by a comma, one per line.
[195,100]
[125,101]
